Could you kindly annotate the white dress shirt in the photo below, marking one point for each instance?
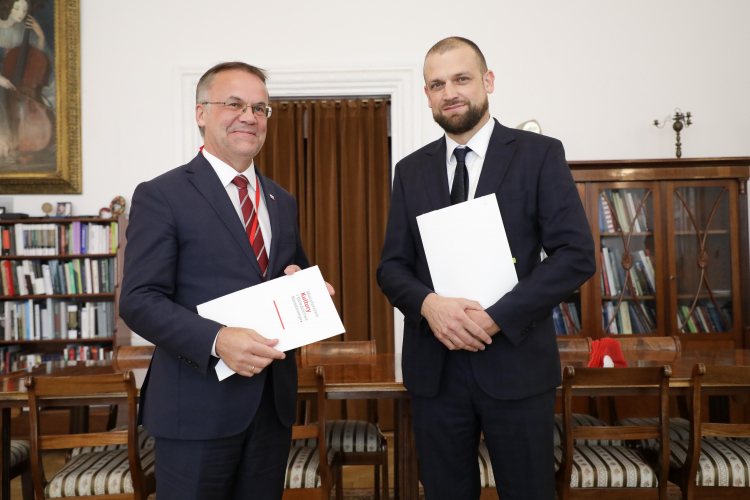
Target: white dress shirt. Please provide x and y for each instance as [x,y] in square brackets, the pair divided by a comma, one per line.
[226,174]
[474,159]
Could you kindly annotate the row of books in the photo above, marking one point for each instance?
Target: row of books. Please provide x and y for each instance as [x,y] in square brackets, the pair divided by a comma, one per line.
[56,319]
[76,276]
[75,238]
[642,274]
[625,203]
[13,359]
[705,319]
[630,317]
[566,318]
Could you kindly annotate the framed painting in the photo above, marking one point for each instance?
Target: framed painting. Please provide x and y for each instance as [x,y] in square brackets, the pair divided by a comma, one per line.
[40,101]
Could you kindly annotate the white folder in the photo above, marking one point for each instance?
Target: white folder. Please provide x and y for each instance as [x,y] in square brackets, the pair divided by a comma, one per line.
[467,251]
[296,309]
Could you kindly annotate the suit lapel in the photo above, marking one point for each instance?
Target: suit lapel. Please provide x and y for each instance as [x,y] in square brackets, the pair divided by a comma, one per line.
[499,155]
[435,175]
[206,181]
[273,214]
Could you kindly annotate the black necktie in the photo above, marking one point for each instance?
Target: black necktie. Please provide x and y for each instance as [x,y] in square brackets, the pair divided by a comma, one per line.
[460,189]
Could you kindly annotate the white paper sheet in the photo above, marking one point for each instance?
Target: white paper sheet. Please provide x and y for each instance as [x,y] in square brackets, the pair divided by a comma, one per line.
[296,309]
[467,251]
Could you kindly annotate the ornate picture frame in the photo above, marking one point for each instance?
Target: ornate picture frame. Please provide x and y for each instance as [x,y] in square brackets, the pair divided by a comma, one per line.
[28,164]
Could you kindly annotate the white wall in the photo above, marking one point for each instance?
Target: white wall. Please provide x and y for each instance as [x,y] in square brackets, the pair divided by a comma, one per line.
[594,73]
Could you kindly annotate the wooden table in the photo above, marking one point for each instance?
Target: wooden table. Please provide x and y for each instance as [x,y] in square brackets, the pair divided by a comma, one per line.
[376,380]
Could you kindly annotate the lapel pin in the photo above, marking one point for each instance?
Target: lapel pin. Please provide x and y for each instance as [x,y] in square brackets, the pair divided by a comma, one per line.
[269,194]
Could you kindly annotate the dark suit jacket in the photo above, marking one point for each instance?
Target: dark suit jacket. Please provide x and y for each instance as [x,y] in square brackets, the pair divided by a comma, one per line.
[186,245]
[541,209]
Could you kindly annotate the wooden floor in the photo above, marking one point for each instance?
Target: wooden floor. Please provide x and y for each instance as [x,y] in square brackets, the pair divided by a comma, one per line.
[358,480]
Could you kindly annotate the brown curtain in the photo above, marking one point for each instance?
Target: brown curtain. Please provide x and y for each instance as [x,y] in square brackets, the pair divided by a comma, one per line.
[333,156]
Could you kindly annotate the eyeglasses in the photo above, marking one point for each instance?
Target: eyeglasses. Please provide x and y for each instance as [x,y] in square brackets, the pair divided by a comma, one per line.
[239,107]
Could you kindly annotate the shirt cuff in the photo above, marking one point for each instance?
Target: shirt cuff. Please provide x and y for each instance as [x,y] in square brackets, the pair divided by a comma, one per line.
[213,347]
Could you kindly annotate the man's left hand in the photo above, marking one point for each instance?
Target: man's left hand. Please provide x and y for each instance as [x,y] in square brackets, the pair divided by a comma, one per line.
[294,268]
[484,321]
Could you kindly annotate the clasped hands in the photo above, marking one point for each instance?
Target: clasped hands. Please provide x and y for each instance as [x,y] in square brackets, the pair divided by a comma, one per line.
[246,351]
[459,323]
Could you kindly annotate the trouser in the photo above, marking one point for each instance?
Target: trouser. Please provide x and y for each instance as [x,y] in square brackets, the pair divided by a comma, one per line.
[248,466]
[518,435]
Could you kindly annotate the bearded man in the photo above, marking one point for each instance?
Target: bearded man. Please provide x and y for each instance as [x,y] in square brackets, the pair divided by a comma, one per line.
[470,370]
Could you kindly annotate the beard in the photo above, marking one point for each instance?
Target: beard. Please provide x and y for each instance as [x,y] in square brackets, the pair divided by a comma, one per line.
[460,124]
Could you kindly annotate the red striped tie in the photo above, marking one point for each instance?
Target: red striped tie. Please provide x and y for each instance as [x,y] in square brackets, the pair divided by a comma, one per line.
[250,219]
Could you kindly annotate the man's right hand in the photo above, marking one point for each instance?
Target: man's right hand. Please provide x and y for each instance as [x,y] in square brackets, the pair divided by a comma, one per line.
[451,325]
[246,351]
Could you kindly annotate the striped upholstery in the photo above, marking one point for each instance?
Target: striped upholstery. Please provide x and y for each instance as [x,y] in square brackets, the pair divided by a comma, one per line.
[487,478]
[97,473]
[348,436]
[580,419]
[722,463]
[19,451]
[679,430]
[608,467]
[303,467]
[145,442]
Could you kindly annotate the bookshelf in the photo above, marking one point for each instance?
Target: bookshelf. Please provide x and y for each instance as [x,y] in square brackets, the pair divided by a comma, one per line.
[671,242]
[59,289]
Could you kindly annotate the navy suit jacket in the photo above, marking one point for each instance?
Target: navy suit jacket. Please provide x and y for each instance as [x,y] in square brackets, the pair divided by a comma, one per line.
[186,245]
[541,209]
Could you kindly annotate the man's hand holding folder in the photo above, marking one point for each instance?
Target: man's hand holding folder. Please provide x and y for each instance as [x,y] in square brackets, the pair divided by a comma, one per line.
[247,352]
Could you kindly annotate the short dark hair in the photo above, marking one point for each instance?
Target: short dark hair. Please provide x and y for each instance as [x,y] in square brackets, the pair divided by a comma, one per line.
[208,77]
[454,42]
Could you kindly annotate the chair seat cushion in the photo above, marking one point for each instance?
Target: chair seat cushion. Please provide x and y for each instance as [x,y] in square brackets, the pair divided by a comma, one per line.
[348,436]
[97,473]
[487,478]
[145,442]
[303,467]
[722,462]
[19,451]
[608,467]
[580,419]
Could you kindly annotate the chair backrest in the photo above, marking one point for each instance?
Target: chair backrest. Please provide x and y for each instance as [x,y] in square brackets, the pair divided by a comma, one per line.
[573,344]
[315,378]
[133,356]
[44,391]
[634,381]
[338,353]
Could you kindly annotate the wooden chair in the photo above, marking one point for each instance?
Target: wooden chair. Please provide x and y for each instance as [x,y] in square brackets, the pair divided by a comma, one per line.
[359,442]
[713,468]
[112,474]
[614,472]
[312,470]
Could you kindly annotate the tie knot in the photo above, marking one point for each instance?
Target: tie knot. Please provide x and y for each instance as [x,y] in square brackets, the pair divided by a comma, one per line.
[460,154]
[240,181]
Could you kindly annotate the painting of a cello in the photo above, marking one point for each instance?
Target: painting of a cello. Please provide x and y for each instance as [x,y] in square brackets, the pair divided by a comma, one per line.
[27,87]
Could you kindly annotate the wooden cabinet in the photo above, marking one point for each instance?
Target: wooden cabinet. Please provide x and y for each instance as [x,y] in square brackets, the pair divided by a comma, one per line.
[671,241]
[60,289]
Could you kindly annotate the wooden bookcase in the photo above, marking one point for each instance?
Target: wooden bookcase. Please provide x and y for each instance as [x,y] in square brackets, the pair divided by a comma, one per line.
[695,213]
[121,334]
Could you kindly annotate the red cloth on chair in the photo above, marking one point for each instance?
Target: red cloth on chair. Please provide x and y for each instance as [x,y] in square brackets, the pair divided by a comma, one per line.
[606,347]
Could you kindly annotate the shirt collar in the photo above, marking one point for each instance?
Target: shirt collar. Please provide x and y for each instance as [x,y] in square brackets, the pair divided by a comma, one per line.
[478,144]
[227,173]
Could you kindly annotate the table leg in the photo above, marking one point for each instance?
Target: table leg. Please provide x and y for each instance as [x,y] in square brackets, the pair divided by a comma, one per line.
[406,447]
[5,460]
[79,419]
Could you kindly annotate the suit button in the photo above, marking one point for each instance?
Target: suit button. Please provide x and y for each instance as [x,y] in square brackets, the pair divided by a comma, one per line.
[194,365]
[180,358]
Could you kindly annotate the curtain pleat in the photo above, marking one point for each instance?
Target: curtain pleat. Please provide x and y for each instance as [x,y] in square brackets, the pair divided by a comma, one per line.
[333,156]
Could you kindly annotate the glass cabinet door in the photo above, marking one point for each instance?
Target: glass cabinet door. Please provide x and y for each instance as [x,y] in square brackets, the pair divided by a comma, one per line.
[629,252]
[705,268]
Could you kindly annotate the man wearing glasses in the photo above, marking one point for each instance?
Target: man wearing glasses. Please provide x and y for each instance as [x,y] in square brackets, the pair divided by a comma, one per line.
[198,232]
